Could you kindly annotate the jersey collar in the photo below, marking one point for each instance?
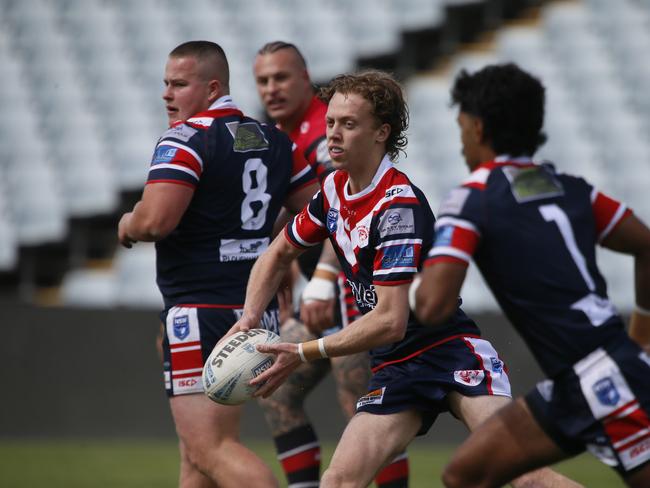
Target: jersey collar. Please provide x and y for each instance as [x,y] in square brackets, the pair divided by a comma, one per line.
[384,166]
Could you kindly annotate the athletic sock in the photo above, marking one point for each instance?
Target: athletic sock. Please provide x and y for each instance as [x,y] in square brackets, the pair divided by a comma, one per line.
[396,474]
[299,454]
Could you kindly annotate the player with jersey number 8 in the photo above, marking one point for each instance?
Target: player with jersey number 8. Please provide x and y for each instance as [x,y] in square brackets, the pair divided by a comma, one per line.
[216,184]
[532,231]
[380,224]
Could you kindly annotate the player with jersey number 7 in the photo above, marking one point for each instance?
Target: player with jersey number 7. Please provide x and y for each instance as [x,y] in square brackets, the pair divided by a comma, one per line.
[215,187]
[532,231]
[380,225]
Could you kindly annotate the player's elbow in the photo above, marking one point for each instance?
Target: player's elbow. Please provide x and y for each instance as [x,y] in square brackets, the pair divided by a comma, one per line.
[433,310]
[393,326]
[152,229]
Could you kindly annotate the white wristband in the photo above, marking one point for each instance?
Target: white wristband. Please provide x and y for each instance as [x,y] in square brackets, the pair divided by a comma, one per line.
[321,348]
[318,289]
[301,353]
[413,290]
[328,267]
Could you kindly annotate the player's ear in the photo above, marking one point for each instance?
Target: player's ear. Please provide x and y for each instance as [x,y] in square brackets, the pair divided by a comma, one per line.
[214,90]
[383,132]
[478,129]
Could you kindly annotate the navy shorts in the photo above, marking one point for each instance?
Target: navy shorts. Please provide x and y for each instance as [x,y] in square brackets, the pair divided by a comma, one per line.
[602,405]
[467,365]
[190,334]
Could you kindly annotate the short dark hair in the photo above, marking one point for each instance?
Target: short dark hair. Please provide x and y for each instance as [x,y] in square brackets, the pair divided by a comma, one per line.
[275,46]
[509,101]
[209,53]
[386,97]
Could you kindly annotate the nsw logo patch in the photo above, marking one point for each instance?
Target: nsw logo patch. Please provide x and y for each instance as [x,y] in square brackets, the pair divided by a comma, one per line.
[606,392]
[332,219]
[181,327]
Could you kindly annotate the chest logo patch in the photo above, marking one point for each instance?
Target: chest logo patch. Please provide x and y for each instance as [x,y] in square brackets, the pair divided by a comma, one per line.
[332,219]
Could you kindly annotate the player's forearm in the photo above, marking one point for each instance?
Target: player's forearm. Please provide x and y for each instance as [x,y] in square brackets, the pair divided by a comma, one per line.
[383,325]
[266,276]
[145,226]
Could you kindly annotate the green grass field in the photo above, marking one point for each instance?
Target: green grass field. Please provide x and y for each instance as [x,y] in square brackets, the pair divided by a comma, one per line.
[131,464]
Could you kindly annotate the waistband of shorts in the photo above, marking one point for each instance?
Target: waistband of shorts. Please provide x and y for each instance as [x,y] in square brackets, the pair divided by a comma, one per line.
[420,351]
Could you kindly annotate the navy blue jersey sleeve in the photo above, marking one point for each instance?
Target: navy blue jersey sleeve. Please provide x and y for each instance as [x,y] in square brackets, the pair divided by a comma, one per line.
[178,157]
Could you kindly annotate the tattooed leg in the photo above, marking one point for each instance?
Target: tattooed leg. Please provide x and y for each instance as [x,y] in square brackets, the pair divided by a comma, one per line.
[296,442]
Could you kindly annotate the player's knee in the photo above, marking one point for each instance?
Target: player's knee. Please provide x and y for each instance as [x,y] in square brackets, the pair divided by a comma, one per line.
[334,478]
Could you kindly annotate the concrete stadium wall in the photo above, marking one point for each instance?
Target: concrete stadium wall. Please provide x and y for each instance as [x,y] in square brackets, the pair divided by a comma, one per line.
[95,373]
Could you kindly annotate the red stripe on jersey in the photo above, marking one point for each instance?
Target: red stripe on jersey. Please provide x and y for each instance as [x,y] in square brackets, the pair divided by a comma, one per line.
[465,240]
[420,351]
[287,236]
[192,359]
[175,182]
[475,184]
[605,209]
[186,159]
[308,230]
[301,460]
[395,471]
[445,259]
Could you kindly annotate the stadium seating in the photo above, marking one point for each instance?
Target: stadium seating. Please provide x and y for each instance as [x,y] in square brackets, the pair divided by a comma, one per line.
[83,80]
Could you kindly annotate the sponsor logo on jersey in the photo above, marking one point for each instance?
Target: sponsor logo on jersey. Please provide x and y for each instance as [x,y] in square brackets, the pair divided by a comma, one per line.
[398,256]
[304,127]
[365,297]
[248,137]
[469,377]
[242,249]
[606,392]
[202,121]
[362,232]
[164,154]
[375,397]
[332,219]
[181,327]
[444,235]
[391,192]
[528,184]
[182,132]
[397,221]
[454,202]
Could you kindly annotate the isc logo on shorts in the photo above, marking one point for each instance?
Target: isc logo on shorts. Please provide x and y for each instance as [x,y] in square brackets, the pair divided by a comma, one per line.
[375,397]
[469,377]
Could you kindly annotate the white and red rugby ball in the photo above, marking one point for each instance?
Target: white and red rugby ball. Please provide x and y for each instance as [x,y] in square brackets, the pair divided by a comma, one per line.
[233,363]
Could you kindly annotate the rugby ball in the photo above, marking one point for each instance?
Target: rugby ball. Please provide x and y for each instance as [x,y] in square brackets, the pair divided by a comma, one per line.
[233,363]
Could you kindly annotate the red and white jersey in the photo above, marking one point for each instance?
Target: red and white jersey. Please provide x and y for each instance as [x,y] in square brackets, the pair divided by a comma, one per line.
[309,137]
[379,235]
